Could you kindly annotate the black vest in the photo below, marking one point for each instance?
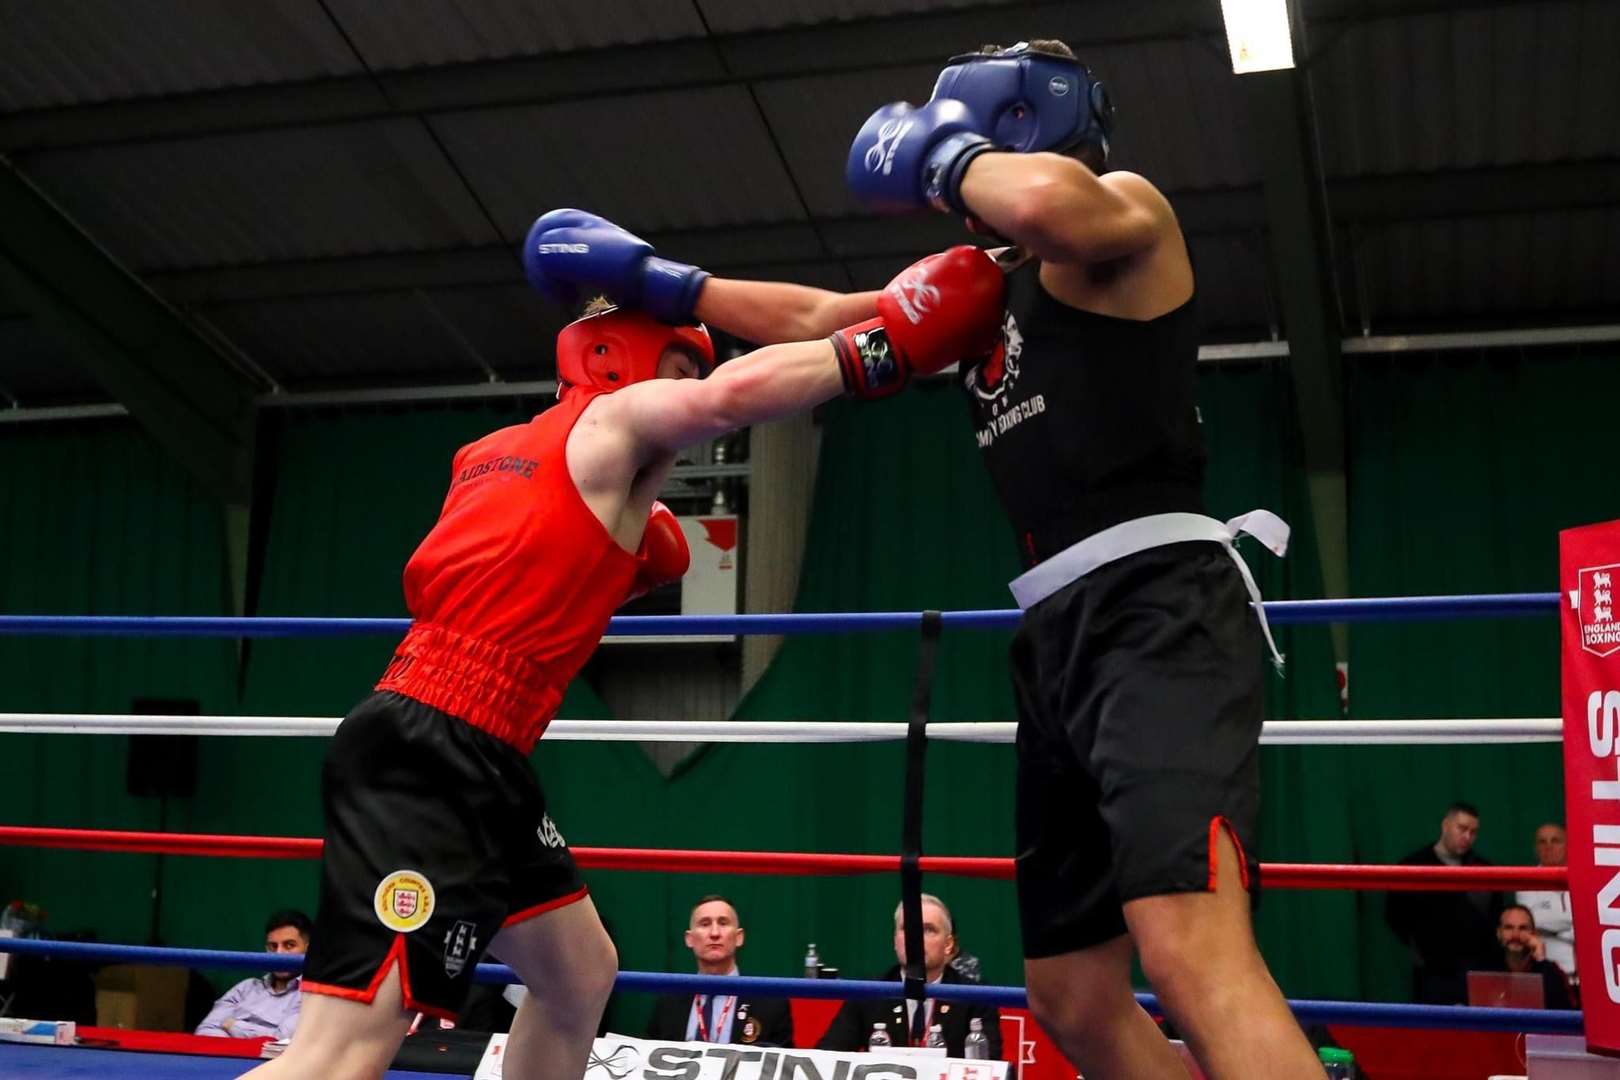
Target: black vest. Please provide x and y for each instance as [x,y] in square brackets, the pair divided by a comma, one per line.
[1086,420]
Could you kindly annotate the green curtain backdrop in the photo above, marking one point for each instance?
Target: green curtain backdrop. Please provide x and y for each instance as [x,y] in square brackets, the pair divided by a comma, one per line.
[904,519]
[1466,467]
[98,520]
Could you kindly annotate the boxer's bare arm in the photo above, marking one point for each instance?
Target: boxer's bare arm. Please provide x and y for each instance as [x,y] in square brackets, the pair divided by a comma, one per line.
[772,312]
[662,415]
[1056,208]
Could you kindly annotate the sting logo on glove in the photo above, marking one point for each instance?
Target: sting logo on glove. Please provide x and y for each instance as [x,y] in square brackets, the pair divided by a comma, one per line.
[880,158]
[914,295]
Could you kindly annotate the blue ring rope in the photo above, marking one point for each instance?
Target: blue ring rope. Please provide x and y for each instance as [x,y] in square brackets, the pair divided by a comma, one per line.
[1279,612]
[1367,1014]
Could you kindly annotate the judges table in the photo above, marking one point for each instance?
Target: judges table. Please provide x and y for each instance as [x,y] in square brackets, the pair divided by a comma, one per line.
[1381,1053]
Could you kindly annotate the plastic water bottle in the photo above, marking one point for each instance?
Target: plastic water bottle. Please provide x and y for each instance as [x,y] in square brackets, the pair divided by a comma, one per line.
[1337,1063]
[936,1036]
[879,1037]
[976,1047]
[812,962]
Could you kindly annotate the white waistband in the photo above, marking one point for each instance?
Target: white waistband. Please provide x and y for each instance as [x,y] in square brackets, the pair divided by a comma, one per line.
[1140,534]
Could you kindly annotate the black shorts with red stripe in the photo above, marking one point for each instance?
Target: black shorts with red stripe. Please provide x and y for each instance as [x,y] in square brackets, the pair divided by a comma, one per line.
[1140,700]
[437,838]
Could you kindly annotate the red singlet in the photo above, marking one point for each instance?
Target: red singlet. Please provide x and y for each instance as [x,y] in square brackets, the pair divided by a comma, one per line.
[513,588]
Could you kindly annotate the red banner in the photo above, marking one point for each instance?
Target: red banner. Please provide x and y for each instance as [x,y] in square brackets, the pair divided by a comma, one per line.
[1589,565]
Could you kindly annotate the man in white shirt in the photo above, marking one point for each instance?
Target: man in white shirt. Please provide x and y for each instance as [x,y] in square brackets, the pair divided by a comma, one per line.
[267,1005]
[1550,908]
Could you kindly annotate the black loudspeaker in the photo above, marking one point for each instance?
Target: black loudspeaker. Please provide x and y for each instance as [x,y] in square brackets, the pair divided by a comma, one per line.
[162,765]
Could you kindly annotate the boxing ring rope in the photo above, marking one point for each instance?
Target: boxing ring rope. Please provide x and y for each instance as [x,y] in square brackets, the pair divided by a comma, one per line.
[1279,612]
[786,863]
[1273,733]
[1275,875]
[1378,1014]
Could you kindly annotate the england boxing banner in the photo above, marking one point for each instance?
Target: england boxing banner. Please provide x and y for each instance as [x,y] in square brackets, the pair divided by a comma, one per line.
[1589,565]
[617,1057]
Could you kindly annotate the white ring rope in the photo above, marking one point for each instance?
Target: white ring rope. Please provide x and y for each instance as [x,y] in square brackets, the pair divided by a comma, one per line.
[1274,733]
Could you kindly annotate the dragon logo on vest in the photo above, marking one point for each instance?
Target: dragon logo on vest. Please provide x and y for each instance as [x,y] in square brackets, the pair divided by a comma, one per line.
[990,380]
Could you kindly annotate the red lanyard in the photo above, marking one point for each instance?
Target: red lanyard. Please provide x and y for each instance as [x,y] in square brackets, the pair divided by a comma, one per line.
[719,1021]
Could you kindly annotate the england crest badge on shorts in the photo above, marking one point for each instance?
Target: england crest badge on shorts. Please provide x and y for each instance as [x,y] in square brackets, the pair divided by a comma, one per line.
[1593,601]
[460,941]
[404,901]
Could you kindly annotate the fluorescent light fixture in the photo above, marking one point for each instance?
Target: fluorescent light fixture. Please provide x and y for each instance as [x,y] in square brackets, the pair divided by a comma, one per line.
[1257,31]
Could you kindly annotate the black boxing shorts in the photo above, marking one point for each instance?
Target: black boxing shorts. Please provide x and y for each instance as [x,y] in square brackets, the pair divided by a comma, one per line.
[1139,690]
[437,837]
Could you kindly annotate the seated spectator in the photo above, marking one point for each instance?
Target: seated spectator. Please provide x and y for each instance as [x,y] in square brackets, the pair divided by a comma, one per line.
[908,1022]
[267,1005]
[1522,951]
[714,933]
[1555,923]
[1449,933]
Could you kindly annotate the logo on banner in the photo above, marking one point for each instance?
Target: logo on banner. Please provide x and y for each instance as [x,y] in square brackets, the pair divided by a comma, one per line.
[404,901]
[618,1057]
[1593,601]
[618,1064]
[459,943]
[722,533]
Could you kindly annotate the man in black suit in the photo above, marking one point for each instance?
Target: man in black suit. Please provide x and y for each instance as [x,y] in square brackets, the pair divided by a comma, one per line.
[714,934]
[1449,933]
[908,1022]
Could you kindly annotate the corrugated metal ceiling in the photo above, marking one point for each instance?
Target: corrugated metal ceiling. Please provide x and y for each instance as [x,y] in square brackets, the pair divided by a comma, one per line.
[114,50]
[416,33]
[744,171]
[1470,88]
[275,195]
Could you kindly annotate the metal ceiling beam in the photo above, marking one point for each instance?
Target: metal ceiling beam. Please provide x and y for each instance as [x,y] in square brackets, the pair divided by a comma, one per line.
[1539,337]
[1299,238]
[1368,200]
[183,387]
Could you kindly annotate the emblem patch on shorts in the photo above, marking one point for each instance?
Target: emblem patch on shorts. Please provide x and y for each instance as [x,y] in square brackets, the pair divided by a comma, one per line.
[404,901]
[548,834]
[459,944]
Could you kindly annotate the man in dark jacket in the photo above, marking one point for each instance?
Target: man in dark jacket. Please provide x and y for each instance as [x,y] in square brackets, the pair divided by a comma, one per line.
[908,1022]
[1522,951]
[714,933]
[1449,933]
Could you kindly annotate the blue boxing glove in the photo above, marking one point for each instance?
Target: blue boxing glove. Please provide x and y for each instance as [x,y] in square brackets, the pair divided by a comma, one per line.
[571,251]
[906,158]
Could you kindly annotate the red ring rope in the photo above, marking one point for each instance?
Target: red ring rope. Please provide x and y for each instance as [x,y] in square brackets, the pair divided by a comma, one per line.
[1275,875]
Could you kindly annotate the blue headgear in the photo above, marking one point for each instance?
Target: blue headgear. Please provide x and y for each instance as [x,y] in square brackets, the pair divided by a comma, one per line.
[1027,100]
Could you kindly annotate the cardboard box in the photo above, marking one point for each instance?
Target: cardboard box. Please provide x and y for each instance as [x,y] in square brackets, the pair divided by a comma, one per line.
[1564,1057]
[141,997]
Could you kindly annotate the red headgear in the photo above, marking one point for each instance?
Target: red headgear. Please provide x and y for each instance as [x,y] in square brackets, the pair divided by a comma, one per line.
[615,348]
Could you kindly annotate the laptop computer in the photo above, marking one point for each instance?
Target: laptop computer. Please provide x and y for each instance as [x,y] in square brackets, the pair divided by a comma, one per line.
[1506,990]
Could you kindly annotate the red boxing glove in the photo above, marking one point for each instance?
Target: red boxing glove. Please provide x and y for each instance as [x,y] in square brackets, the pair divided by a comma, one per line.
[663,556]
[935,312]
